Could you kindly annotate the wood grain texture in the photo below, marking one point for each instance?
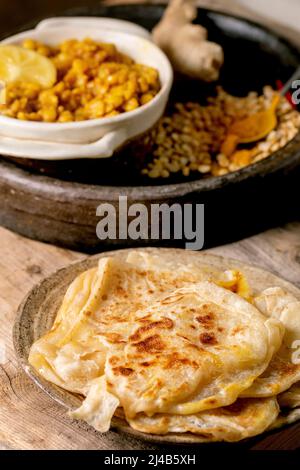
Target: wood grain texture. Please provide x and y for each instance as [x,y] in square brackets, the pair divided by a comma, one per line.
[37,314]
[29,419]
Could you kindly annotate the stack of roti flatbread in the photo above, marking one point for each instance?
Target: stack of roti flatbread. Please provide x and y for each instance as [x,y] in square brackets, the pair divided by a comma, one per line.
[173,347]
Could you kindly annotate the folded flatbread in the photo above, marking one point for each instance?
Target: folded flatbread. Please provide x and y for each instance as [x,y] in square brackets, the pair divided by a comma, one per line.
[174,346]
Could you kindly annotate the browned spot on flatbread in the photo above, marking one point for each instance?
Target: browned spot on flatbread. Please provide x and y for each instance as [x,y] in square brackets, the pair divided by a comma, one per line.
[183,337]
[114,338]
[208,338]
[146,319]
[113,360]
[175,361]
[206,320]
[280,368]
[152,344]
[287,368]
[146,363]
[164,323]
[205,306]
[126,371]
[120,291]
[211,401]
[237,329]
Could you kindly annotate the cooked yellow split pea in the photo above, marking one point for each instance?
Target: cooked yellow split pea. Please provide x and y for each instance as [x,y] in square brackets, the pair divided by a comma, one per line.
[94,80]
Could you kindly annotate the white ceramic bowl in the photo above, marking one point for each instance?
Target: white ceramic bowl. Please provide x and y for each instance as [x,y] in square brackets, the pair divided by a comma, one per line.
[96,138]
[122,26]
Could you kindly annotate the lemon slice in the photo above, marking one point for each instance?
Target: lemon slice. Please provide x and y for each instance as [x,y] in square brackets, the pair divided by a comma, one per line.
[23,65]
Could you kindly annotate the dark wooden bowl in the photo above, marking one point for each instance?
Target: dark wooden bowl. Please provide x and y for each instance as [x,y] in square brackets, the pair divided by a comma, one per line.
[56,201]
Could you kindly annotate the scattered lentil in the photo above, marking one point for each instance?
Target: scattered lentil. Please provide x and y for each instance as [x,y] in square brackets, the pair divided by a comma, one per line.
[190,138]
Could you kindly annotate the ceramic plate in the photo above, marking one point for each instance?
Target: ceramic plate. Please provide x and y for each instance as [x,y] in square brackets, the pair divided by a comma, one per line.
[37,312]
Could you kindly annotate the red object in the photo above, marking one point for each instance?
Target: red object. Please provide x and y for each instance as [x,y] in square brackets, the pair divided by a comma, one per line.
[288,95]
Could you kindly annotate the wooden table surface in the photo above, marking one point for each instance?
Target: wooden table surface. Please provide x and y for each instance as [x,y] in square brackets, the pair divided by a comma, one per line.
[29,419]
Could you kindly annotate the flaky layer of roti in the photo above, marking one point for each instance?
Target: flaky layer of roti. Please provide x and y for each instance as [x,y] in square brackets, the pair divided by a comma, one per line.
[95,317]
[99,406]
[285,418]
[283,370]
[245,418]
[196,349]
[173,344]
[290,398]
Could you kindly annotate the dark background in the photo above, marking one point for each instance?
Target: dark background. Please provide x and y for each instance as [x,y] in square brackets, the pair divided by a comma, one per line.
[14,13]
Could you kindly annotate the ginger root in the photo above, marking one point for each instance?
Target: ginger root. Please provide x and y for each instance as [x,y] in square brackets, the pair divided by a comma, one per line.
[186,44]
